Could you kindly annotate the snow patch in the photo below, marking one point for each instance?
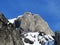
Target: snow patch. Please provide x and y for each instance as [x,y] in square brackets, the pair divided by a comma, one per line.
[12,20]
[38,39]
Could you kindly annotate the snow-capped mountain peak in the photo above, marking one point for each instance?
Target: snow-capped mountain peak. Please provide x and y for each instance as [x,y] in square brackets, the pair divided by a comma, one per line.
[37,31]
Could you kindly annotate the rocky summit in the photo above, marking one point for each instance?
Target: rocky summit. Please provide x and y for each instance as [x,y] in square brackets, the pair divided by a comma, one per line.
[26,29]
[34,23]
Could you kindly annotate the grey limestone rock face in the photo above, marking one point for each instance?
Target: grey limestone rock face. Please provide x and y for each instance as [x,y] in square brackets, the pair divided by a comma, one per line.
[34,22]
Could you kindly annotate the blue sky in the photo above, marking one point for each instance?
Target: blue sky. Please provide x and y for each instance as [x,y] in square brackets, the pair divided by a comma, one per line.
[49,10]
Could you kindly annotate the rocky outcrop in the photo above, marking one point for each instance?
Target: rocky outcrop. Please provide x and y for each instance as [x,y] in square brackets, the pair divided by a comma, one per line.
[14,33]
[3,21]
[8,34]
[33,22]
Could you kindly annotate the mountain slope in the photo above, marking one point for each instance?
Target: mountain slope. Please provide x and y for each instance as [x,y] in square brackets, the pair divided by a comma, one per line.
[28,29]
[33,22]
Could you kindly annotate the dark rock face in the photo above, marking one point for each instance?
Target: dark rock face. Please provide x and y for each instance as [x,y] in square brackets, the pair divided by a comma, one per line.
[3,21]
[57,38]
[8,34]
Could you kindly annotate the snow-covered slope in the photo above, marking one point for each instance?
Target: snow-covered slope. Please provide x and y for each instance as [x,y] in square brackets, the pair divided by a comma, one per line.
[13,19]
[34,38]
